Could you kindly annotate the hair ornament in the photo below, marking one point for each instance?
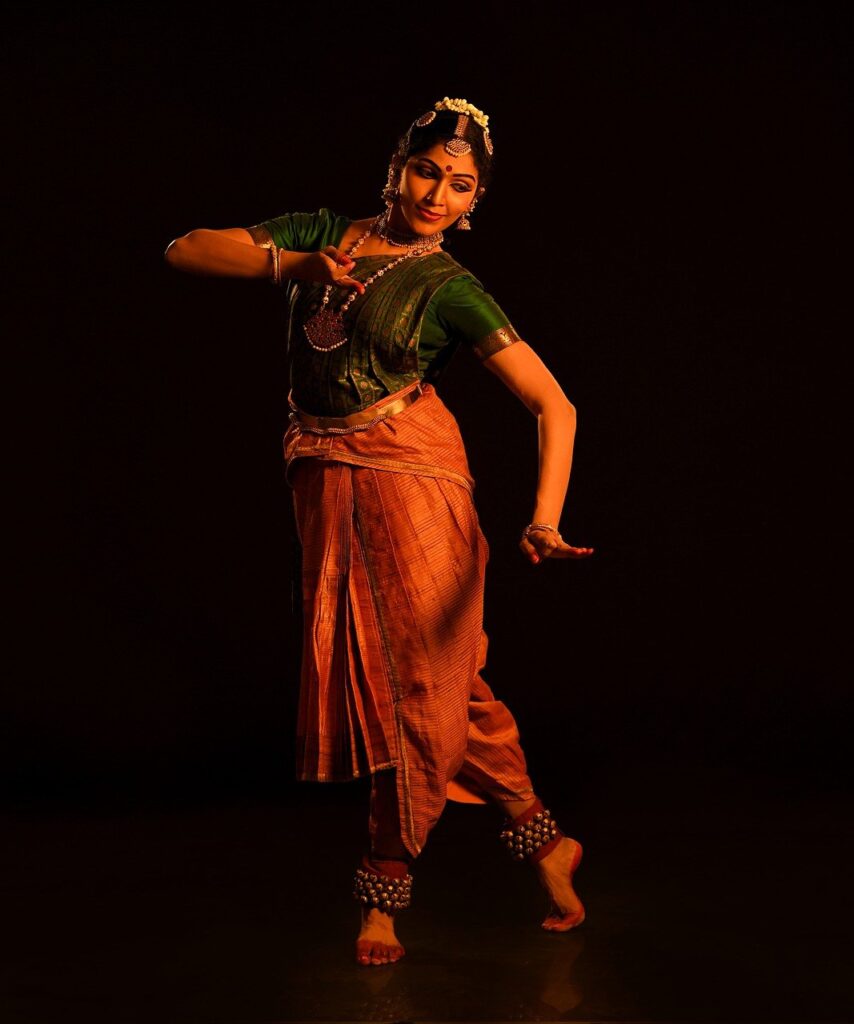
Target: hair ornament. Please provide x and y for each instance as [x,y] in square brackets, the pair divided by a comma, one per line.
[457,146]
[464,107]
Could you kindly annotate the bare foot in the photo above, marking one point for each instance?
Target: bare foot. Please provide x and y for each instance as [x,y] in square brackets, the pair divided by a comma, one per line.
[377,943]
[555,872]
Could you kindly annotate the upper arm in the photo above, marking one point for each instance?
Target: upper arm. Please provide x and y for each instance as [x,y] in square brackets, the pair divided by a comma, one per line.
[527,376]
[295,232]
[238,234]
[235,234]
[472,315]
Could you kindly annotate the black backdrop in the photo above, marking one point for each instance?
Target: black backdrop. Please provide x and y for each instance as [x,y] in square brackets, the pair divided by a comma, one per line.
[665,229]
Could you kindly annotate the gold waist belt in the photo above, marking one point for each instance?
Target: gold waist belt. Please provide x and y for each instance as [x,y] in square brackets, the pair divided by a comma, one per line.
[360,420]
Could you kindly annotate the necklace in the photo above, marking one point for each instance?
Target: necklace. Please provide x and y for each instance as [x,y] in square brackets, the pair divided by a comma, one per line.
[400,238]
[325,330]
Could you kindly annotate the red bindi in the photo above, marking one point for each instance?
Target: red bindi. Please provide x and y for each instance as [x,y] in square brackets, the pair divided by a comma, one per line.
[449,168]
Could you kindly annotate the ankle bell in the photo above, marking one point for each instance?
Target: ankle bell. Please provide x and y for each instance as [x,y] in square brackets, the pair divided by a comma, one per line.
[382,891]
[532,835]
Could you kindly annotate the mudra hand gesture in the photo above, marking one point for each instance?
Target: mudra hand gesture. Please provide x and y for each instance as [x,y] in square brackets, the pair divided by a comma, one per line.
[329,266]
[541,542]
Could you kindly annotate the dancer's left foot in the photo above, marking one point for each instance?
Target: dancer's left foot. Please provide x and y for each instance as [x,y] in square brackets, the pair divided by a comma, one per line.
[555,872]
[377,942]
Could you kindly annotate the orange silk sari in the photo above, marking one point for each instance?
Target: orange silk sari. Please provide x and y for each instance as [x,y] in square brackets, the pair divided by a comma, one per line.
[393,566]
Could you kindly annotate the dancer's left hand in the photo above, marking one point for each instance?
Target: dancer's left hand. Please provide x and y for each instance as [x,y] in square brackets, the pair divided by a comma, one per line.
[542,544]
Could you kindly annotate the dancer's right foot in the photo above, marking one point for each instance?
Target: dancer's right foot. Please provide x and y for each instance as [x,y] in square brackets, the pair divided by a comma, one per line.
[555,871]
[377,942]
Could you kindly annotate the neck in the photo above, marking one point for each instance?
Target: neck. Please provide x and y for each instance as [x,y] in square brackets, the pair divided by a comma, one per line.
[394,227]
[397,223]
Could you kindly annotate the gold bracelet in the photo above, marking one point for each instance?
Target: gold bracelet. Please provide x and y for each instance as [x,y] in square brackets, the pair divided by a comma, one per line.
[533,527]
[275,274]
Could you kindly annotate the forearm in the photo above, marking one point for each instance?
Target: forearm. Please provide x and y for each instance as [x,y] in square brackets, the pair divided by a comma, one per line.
[556,433]
[213,254]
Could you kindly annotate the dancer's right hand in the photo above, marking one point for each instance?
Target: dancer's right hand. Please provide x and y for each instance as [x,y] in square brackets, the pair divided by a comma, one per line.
[329,266]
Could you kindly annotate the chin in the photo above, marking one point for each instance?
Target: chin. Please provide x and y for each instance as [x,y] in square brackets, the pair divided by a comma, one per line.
[417,225]
[429,227]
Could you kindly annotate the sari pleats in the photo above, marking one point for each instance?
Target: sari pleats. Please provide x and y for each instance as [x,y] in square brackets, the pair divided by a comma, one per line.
[393,578]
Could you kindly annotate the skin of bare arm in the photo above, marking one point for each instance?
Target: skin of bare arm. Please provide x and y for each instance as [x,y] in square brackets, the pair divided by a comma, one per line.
[231,252]
[525,374]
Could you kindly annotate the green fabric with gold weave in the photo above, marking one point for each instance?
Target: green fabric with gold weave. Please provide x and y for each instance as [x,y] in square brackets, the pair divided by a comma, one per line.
[407,325]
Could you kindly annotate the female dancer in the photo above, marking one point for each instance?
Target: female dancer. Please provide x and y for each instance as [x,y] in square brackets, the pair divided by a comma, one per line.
[393,558]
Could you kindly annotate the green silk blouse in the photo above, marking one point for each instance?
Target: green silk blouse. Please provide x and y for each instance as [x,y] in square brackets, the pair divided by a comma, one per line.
[455,310]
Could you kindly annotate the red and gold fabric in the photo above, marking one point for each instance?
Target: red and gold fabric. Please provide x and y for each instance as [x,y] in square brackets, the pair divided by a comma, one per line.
[393,564]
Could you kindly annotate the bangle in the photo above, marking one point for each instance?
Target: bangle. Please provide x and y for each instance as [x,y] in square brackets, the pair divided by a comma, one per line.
[275,274]
[533,527]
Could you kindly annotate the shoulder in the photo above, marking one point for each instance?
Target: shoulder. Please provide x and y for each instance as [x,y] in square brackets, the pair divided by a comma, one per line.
[461,287]
[464,274]
[465,311]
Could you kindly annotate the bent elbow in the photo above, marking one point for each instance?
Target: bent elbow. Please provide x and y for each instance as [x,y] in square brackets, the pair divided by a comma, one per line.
[171,254]
[559,407]
[176,252]
[570,417]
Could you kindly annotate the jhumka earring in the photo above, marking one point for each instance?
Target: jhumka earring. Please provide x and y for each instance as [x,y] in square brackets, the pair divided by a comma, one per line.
[391,192]
[463,223]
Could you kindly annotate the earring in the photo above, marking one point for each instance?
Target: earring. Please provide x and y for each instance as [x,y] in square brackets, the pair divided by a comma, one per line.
[390,195]
[391,192]
[463,223]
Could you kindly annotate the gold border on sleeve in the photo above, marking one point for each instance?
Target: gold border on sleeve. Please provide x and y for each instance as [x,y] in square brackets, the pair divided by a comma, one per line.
[495,341]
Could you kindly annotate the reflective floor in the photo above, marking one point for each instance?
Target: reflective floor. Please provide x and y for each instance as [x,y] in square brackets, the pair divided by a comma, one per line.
[243,913]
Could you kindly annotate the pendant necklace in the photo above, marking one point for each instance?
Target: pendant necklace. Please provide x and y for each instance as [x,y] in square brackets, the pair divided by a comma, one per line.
[325,330]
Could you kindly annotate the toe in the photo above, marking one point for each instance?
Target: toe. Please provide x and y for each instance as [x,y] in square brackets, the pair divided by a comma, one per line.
[564,923]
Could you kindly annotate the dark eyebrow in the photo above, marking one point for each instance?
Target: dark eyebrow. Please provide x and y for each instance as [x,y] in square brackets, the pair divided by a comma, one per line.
[438,168]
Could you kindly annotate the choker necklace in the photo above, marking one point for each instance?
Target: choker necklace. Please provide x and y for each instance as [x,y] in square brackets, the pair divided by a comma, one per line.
[400,238]
[325,330]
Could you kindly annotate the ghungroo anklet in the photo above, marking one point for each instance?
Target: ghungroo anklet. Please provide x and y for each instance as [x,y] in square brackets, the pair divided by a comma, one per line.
[381,891]
[532,835]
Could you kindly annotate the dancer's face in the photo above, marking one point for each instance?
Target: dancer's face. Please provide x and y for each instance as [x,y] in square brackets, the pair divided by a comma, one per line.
[435,189]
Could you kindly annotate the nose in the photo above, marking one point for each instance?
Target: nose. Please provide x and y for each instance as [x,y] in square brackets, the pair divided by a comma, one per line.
[436,195]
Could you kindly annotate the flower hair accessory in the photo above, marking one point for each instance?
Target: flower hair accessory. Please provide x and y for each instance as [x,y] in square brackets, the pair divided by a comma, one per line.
[464,107]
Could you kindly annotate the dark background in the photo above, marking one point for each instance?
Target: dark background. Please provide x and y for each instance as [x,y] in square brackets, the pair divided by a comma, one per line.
[666,228]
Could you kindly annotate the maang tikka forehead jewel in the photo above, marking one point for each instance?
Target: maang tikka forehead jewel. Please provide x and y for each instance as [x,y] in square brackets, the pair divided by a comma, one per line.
[457,146]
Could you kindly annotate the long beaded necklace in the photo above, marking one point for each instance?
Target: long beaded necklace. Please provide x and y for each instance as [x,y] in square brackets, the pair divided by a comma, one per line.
[325,330]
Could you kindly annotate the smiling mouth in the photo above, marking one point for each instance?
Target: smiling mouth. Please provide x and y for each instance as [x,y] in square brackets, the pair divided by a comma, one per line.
[427,213]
